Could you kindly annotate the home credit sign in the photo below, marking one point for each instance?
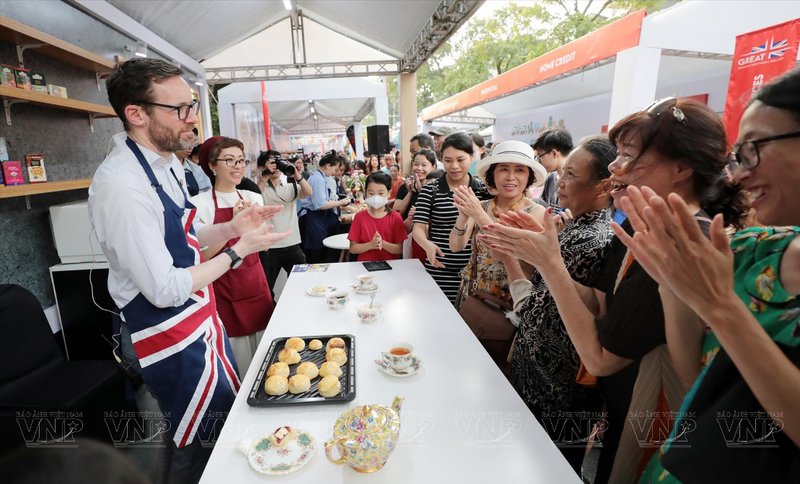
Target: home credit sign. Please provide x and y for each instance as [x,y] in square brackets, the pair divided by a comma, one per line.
[601,44]
[758,57]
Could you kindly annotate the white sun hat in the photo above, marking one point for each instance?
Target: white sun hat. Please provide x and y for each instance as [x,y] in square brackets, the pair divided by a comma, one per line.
[513,152]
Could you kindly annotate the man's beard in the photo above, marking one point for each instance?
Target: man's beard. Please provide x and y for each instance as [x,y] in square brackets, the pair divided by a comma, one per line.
[165,140]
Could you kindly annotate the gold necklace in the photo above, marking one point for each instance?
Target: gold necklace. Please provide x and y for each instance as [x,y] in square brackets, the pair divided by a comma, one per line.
[509,209]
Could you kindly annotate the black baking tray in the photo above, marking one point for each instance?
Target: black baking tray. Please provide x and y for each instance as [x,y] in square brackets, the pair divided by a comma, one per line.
[259,398]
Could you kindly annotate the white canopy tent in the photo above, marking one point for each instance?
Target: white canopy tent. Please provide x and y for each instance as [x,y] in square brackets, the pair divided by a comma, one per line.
[245,40]
[338,103]
[679,51]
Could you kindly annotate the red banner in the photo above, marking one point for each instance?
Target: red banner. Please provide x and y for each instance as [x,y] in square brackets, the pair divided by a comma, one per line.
[265,108]
[593,47]
[758,57]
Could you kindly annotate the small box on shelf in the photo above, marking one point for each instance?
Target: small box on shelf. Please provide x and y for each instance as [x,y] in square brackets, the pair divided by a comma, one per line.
[7,76]
[38,83]
[59,91]
[23,78]
[36,171]
[12,172]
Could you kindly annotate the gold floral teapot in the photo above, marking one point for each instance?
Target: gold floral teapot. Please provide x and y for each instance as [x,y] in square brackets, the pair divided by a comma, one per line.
[366,436]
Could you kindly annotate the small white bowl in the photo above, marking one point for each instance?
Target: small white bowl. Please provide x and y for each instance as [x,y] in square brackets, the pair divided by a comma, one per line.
[369,314]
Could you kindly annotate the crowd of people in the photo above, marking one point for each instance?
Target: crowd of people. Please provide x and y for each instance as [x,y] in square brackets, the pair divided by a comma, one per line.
[647,277]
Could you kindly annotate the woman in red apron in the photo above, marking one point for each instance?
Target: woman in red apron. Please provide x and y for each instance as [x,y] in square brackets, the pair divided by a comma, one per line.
[244,301]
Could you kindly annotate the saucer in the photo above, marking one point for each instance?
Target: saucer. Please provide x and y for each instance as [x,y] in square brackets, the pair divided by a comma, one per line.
[384,366]
[267,458]
[310,291]
[366,289]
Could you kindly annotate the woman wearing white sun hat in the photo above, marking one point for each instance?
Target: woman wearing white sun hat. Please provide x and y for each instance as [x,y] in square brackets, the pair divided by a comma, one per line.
[508,172]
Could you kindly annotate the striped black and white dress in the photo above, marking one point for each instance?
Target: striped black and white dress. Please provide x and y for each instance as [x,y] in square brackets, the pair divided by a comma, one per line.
[435,208]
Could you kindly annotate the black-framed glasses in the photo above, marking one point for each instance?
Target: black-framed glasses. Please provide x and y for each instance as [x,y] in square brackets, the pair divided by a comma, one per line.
[746,154]
[659,106]
[183,110]
[231,162]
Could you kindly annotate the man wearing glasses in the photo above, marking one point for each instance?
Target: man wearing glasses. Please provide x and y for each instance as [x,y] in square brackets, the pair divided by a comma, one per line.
[170,334]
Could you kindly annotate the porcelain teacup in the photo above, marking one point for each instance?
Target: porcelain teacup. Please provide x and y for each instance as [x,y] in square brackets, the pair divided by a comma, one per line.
[399,356]
[338,299]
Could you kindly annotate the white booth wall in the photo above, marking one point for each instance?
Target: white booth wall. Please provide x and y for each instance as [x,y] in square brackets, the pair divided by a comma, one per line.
[587,116]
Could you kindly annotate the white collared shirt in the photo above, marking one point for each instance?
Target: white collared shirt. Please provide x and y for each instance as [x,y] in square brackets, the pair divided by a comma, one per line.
[128,219]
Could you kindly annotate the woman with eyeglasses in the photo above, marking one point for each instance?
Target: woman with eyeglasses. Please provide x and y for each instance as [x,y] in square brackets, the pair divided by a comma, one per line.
[743,409]
[619,328]
[244,301]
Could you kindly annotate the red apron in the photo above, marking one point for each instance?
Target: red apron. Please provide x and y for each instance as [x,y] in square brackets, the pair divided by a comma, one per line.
[244,301]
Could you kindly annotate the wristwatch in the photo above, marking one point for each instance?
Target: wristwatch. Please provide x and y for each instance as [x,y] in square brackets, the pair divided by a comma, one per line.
[236,261]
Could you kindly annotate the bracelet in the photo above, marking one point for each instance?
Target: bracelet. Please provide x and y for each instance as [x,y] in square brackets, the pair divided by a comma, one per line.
[459,231]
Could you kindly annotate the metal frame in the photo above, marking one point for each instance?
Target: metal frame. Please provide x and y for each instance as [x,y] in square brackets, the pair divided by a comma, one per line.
[306,71]
[444,21]
[465,119]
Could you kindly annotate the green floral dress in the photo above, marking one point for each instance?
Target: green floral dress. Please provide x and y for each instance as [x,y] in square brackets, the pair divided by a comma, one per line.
[757,256]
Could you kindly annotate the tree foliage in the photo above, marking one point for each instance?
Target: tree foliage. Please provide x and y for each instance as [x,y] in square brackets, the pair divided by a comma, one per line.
[512,36]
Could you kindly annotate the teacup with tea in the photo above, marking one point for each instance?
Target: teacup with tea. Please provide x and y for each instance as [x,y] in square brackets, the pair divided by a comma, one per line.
[399,356]
[338,299]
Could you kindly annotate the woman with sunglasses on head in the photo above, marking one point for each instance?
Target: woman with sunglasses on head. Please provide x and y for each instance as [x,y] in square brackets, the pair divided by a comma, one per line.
[244,301]
[746,290]
[618,329]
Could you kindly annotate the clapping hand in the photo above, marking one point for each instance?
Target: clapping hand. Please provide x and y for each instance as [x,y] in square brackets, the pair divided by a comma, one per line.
[377,241]
[466,202]
[521,236]
[562,219]
[252,217]
[258,239]
[670,246]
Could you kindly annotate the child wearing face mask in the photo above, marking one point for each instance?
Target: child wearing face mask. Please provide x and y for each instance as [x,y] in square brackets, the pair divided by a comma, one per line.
[377,233]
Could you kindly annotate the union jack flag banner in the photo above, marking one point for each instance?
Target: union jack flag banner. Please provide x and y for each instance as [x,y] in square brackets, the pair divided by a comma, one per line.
[757,58]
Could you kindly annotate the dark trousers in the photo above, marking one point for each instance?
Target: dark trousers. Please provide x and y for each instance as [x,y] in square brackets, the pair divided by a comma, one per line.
[283,258]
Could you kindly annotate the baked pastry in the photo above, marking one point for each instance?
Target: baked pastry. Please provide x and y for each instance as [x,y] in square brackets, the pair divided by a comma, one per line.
[329,386]
[309,369]
[336,355]
[330,368]
[276,385]
[335,343]
[282,436]
[296,344]
[278,368]
[299,383]
[315,344]
[288,355]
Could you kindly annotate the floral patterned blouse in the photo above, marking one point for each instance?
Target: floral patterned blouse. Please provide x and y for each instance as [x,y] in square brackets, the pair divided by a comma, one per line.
[492,277]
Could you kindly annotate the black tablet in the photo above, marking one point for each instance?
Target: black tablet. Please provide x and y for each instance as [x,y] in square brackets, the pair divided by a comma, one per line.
[377,265]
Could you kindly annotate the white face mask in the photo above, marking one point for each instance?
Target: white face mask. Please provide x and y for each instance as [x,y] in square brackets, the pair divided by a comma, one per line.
[376,201]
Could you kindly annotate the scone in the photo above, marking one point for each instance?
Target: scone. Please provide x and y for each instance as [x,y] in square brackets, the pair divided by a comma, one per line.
[279,368]
[330,368]
[308,369]
[315,345]
[329,386]
[334,343]
[296,344]
[276,385]
[336,355]
[288,355]
[299,383]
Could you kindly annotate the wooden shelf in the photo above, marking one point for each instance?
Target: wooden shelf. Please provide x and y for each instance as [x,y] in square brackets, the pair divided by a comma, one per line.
[24,36]
[45,187]
[16,94]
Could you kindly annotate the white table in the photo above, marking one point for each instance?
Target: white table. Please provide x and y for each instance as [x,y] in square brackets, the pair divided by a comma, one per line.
[338,241]
[462,422]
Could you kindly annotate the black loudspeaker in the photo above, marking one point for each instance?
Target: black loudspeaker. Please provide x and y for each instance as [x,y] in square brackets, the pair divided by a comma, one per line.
[378,139]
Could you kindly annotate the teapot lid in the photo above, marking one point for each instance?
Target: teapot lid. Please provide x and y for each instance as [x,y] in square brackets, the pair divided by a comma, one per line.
[367,418]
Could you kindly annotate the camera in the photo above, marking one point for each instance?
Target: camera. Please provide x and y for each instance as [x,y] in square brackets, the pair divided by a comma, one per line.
[285,167]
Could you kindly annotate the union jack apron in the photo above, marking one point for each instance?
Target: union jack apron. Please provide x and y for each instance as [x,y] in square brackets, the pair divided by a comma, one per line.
[184,352]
